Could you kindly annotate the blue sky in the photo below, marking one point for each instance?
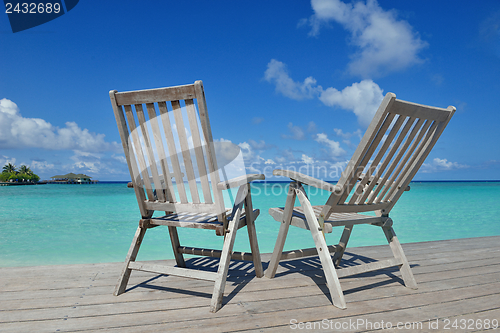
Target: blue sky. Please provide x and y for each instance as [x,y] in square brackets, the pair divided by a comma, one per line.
[293,83]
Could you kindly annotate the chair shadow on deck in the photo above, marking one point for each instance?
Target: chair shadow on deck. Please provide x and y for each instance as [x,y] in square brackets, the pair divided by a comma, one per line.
[311,267]
[240,274]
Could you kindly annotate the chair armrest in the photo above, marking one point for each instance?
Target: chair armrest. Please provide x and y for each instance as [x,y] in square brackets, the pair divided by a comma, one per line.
[241,180]
[306,180]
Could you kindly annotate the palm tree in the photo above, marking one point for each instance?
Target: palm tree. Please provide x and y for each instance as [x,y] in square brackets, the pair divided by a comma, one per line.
[25,169]
[11,168]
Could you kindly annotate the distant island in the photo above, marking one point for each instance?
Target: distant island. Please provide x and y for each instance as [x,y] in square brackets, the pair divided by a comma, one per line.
[11,175]
[71,178]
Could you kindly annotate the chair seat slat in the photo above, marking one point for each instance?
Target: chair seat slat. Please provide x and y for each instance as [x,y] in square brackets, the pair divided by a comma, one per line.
[203,221]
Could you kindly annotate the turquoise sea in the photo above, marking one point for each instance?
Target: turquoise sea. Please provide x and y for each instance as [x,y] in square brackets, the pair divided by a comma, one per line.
[70,224]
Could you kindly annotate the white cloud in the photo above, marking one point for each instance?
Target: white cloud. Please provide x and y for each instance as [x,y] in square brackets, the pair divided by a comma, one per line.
[362,98]
[344,135]
[311,127]
[438,79]
[86,162]
[277,73]
[385,44]
[6,159]
[17,132]
[307,160]
[226,151]
[261,145]
[41,166]
[119,158]
[287,156]
[247,151]
[439,164]
[249,154]
[347,136]
[335,150]
[257,120]
[489,32]
[296,133]
[95,164]
[269,161]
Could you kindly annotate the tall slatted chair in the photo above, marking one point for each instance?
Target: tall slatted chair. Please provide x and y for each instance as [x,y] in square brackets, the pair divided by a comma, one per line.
[171,154]
[395,145]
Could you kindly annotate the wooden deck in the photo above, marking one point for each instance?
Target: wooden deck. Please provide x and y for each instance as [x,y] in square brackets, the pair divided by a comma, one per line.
[458,279]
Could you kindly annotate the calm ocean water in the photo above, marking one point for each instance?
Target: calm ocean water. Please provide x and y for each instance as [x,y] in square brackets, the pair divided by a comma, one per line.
[70,224]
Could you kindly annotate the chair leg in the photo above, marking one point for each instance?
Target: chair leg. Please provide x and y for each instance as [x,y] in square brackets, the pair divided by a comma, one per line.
[332,279]
[227,250]
[131,255]
[285,224]
[337,258]
[252,235]
[174,238]
[398,253]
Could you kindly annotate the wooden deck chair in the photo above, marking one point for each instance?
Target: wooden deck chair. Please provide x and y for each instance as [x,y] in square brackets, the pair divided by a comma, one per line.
[395,145]
[171,154]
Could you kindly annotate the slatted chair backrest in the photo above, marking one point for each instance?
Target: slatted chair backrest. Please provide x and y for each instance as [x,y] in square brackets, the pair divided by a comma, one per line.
[395,145]
[169,149]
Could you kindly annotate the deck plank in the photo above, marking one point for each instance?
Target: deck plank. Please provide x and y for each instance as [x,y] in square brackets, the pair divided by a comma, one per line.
[457,279]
